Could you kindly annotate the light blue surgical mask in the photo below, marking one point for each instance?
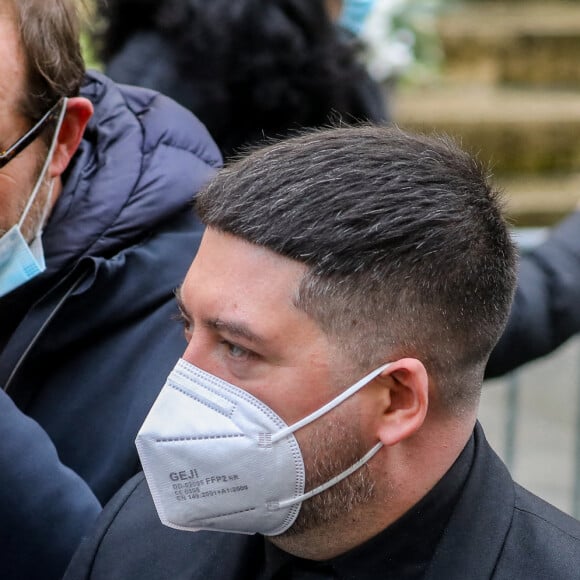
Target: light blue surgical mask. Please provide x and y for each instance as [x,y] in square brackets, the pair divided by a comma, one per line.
[354,14]
[19,260]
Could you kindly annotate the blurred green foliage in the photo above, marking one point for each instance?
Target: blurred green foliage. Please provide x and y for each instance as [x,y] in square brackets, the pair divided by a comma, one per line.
[88,18]
[89,53]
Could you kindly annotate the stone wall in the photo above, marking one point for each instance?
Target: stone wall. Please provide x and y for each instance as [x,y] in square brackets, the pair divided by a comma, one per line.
[510,91]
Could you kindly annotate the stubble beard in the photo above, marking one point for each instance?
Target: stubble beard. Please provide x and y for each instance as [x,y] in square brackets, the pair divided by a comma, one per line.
[36,214]
[332,449]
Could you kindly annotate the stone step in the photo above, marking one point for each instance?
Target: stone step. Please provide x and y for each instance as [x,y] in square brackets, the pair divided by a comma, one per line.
[515,130]
[533,201]
[528,43]
[531,139]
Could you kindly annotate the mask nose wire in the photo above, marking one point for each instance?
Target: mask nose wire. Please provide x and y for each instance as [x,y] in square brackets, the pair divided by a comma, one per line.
[329,406]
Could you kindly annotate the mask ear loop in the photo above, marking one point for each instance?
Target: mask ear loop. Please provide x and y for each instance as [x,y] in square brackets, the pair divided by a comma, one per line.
[43,171]
[46,209]
[289,502]
[329,406]
[312,417]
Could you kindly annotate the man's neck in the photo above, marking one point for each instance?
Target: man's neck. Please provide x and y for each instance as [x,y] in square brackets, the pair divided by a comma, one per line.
[393,498]
[331,540]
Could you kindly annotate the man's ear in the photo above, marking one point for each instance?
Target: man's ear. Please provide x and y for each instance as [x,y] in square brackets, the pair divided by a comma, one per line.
[78,112]
[404,401]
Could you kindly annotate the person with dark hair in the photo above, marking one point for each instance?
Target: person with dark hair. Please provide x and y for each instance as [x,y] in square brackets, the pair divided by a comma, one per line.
[339,314]
[249,69]
[257,68]
[96,231]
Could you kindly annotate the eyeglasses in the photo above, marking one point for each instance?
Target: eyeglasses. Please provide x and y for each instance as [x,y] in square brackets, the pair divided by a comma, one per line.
[26,139]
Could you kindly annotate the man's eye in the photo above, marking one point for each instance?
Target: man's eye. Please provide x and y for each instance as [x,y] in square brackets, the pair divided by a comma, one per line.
[236,351]
[187,325]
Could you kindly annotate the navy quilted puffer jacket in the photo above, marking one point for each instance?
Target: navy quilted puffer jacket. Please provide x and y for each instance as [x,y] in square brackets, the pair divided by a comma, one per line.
[86,346]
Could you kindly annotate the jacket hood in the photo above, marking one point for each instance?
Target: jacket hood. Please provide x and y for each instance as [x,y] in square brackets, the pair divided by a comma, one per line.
[140,162]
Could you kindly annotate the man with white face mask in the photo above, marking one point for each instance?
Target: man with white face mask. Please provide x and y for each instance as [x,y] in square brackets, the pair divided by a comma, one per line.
[96,232]
[322,422]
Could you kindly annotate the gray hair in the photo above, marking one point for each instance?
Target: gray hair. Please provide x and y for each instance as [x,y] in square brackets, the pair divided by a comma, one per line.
[407,248]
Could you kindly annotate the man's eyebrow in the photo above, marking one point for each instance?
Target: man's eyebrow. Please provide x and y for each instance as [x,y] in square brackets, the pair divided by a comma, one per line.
[236,329]
[179,300]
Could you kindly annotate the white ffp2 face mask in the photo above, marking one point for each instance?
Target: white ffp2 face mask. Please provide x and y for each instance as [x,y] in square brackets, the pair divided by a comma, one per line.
[217,458]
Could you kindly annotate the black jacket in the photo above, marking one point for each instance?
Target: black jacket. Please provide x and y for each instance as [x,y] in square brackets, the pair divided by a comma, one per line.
[497,530]
[86,346]
[546,308]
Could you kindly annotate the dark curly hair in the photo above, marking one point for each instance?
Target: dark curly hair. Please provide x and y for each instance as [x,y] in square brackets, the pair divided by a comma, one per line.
[248,69]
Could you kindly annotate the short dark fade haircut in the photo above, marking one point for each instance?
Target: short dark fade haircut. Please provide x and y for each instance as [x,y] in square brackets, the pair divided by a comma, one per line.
[407,248]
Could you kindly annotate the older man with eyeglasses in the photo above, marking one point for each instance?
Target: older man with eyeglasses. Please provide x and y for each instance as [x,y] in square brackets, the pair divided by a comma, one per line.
[96,231]
[21,260]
